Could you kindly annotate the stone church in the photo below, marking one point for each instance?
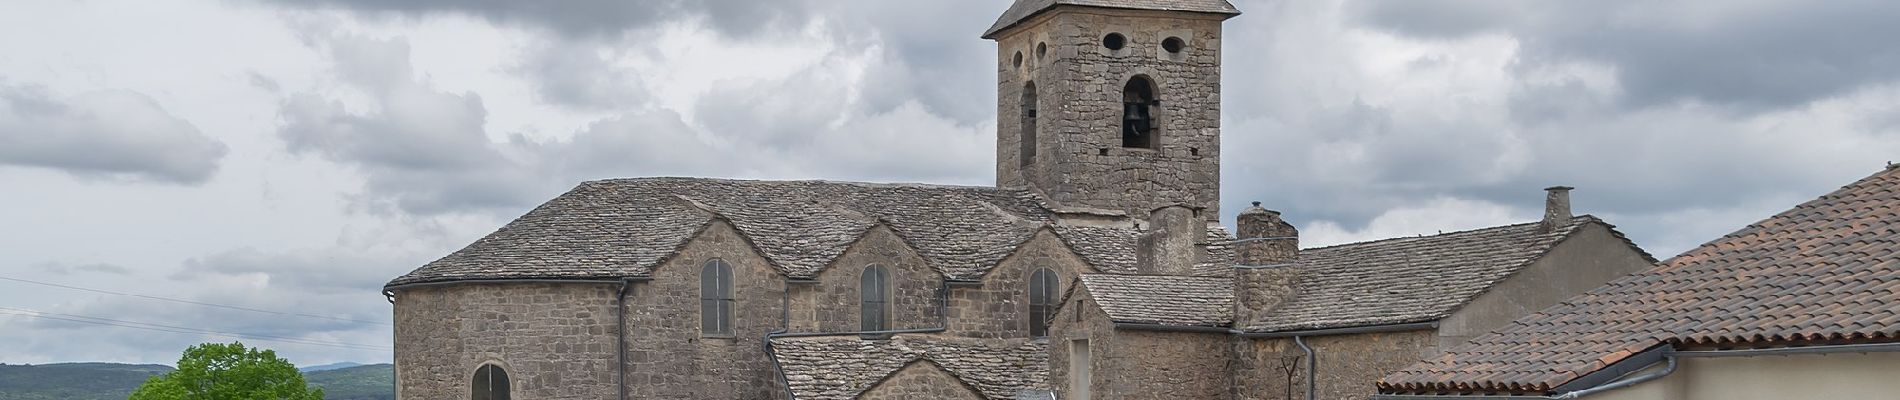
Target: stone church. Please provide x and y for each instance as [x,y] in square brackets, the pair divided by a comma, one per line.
[1097,266]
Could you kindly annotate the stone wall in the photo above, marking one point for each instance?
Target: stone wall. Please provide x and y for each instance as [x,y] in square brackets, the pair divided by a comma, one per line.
[1264,239]
[1349,365]
[1133,364]
[1589,258]
[667,355]
[556,341]
[921,379]
[1157,365]
[834,301]
[999,307]
[1259,290]
[1079,319]
[1080,161]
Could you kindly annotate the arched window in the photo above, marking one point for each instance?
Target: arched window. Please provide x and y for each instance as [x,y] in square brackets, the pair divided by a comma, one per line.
[1029,124]
[715,298]
[491,383]
[1044,288]
[875,297]
[1140,124]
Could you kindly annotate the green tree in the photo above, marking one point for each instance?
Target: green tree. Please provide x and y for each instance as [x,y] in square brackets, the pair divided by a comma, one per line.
[217,371]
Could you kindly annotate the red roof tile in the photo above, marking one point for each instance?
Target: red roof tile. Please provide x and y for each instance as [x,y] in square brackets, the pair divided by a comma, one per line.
[1826,270]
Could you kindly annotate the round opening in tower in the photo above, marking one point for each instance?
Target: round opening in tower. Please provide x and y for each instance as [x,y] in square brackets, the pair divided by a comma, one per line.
[1018,60]
[1114,41]
[1042,51]
[1174,45]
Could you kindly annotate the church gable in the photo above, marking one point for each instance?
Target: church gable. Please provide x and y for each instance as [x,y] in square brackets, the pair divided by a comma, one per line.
[846,367]
[1005,302]
[922,379]
[625,227]
[913,287]
[670,326]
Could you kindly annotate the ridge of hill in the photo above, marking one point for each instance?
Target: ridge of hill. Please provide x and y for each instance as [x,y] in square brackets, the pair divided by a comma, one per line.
[111,381]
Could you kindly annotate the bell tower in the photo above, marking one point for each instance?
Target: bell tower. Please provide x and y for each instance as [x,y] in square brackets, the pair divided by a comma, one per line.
[1111,105]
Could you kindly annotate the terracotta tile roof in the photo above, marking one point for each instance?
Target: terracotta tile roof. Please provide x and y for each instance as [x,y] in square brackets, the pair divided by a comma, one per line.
[1827,270]
[1411,279]
[1159,299]
[624,227]
[1023,9]
[820,368]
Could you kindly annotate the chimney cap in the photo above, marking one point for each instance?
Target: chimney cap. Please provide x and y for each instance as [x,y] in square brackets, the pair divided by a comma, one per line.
[1559,188]
[1257,209]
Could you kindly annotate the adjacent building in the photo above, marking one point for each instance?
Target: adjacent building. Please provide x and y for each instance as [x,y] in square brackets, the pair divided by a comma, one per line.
[1802,305]
[1322,322]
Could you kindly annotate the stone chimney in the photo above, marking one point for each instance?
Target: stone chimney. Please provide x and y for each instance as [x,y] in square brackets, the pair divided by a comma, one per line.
[1265,239]
[1266,277]
[1556,208]
[1171,245]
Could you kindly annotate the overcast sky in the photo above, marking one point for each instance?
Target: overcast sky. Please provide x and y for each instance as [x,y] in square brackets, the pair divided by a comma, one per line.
[295,155]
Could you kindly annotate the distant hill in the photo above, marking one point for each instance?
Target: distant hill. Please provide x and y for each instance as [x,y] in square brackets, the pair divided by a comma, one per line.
[366,382]
[107,381]
[75,381]
[327,367]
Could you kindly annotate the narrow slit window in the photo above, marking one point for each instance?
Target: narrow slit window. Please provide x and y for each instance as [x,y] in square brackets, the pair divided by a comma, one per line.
[875,298]
[1140,107]
[1029,124]
[715,298]
[1043,288]
[490,383]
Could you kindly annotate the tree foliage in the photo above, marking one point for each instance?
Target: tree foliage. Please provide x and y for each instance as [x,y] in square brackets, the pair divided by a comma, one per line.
[217,371]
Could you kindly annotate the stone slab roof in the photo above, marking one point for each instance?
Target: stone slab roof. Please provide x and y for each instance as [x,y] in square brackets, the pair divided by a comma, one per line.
[843,367]
[1113,250]
[1825,271]
[1405,280]
[1023,9]
[1160,299]
[625,227]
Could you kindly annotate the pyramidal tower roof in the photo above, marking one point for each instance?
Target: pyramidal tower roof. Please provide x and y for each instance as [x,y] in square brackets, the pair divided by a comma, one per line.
[1023,9]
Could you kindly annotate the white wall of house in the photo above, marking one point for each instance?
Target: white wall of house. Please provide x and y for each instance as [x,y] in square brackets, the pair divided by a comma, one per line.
[1806,376]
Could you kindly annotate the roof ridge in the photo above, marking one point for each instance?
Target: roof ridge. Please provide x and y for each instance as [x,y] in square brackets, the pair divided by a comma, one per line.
[1890,170]
[1789,257]
[1576,220]
[917,185]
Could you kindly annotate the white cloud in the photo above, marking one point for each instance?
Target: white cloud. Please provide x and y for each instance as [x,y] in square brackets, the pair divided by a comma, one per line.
[114,135]
[1440,215]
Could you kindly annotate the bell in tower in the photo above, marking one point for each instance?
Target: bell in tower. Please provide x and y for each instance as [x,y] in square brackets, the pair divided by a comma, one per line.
[1138,114]
[1111,107]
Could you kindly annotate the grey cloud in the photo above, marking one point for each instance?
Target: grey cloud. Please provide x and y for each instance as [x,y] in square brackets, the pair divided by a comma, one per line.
[649,143]
[338,282]
[592,17]
[94,342]
[1753,55]
[575,74]
[1668,171]
[1694,84]
[809,121]
[115,135]
[325,272]
[424,151]
[930,48]
[69,269]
